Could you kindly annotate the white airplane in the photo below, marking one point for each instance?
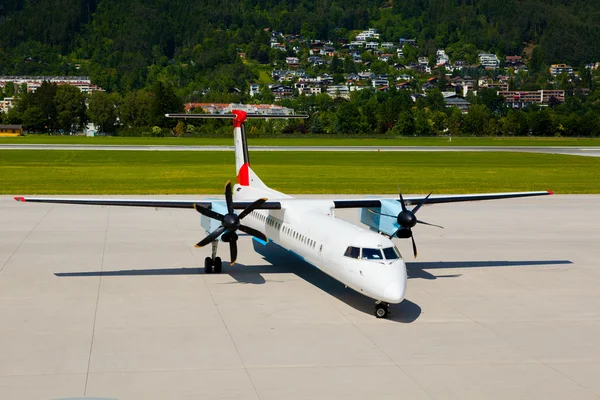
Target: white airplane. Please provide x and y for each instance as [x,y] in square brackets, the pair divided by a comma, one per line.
[362,258]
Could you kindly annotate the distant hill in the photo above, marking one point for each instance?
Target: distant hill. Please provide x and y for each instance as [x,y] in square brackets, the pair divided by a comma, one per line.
[124,45]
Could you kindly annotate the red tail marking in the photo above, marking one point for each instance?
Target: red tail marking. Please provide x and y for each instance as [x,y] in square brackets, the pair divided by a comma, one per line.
[21,199]
[240,117]
[243,177]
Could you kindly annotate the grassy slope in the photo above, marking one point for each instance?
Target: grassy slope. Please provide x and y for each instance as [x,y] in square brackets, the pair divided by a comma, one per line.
[305,141]
[122,172]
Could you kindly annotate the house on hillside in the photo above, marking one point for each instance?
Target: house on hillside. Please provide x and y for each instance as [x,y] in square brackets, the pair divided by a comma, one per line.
[557,69]
[342,91]
[459,102]
[488,61]
[520,99]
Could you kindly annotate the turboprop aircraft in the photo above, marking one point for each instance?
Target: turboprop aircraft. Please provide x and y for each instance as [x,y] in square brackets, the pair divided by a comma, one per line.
[363,258]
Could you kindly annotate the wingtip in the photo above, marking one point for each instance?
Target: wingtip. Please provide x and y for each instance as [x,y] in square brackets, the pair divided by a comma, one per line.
[550,192]
[20,198]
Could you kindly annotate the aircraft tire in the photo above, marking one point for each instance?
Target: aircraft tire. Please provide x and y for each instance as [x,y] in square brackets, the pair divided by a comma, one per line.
[208,265]
[381,310]
[218,265]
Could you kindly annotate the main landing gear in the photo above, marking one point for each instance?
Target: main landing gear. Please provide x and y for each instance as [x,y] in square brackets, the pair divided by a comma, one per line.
[213,263]
[382,310]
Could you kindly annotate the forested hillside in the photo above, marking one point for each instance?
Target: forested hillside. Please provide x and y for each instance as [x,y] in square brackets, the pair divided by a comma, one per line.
[151,56]
[126,45]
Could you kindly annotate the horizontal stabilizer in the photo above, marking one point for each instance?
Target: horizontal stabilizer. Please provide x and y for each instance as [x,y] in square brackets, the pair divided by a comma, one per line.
[233,116]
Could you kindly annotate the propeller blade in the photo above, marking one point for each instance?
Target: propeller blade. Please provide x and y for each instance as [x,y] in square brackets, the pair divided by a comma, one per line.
[414,245]
[228,197]
[253,232]
[427,223]
[414,210]
[208,212]
[401,199]
[252,207]
[378,213]
[233,250]
[212,236]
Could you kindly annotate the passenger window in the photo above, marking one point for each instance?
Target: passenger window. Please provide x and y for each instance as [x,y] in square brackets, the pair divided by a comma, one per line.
[352,252]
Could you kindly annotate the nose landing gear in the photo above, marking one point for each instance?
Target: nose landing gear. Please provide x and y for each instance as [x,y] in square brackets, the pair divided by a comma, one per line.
[382,310]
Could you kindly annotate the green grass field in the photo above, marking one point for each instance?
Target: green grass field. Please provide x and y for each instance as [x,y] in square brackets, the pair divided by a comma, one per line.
[303,141]
[123,172]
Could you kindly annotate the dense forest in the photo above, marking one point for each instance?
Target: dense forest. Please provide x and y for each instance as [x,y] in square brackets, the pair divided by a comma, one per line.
[192,47]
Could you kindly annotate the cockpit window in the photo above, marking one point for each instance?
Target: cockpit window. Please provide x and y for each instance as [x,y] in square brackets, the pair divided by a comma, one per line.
[352,252]
[371,254]
[391,253]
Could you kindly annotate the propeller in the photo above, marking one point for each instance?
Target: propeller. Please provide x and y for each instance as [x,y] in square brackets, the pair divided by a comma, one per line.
[230,223]
[407,219]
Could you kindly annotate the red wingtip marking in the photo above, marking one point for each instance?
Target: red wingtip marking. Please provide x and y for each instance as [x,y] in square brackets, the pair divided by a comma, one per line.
[21,199]
[243,177]
[240,117]
[550,192]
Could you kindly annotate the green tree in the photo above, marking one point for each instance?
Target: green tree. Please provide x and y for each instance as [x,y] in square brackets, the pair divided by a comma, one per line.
[164,101]
[490,99]
[9,89]
[35,120]
[70,106]
[542,123]
[347,119]
[316,126]
[136,109]
[405,125]
[102,111]
[475,123]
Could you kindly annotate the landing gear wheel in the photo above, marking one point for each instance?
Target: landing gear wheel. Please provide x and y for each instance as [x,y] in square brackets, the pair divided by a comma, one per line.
[381,310]
[218,265]
[208,265]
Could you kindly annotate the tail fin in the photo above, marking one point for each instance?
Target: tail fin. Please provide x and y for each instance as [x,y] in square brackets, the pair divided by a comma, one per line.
[245,175]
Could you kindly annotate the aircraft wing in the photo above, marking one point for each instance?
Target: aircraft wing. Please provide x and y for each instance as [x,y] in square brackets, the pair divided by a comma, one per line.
[412,200]
[154,203]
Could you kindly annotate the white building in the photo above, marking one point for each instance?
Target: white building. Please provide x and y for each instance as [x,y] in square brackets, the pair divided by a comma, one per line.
[83,83]
[6,104]
[441,58]
[489,61]
[254,89]
[338,91]
[380,82]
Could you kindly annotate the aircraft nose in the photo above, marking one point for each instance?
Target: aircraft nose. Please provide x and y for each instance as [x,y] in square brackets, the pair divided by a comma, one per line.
[394,293]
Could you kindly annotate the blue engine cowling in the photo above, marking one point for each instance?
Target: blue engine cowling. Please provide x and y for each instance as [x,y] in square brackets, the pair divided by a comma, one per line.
[210,224]
[382,223]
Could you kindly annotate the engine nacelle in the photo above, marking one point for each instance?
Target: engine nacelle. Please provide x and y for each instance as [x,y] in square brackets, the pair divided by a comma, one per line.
[382,223]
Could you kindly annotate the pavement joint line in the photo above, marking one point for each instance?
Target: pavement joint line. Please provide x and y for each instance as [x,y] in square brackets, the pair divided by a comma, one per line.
[230,336]
[544,363]
[538,361]
[385,354]
[87,375]
[25,238]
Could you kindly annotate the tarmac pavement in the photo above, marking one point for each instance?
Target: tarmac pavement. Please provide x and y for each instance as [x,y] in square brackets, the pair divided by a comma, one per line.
[111,302]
